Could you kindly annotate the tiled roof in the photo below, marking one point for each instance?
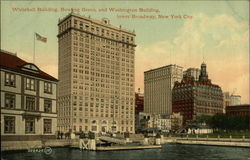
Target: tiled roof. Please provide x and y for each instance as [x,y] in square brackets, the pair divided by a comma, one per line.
[14,63]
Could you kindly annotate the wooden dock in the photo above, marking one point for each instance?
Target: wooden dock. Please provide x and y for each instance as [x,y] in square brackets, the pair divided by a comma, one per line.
[114,148]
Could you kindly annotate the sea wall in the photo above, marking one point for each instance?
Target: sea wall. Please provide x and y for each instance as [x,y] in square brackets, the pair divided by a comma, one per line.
[209,141]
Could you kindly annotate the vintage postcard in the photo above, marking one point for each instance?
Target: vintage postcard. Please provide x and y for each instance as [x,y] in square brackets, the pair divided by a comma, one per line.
[125,79]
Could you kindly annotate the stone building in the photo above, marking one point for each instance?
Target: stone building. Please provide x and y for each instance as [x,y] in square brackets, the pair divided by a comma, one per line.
[158,85]
[192,98]
[193,72]
[28,100]
[235,100]
[96,72]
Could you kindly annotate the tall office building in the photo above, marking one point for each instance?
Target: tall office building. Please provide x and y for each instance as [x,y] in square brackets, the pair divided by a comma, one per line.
[158,84]
[96,75]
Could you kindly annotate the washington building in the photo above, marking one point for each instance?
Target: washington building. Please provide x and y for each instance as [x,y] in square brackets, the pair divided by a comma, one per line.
[96,73]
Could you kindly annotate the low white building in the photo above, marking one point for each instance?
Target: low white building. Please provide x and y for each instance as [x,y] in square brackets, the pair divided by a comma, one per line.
[165,123]
[199,129]
[28,100]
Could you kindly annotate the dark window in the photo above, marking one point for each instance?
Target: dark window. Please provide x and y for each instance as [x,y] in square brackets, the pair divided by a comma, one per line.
[47,106]
[10,79]
[10,100]
[9,124]
[47,87]
[30,125]
[30,104]
[30,84]
[47,126]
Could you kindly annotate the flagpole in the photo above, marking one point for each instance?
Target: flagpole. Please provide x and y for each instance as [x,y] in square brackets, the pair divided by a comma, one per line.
[34,46]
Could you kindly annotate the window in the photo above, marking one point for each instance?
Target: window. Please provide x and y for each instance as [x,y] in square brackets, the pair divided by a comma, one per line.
[30,84]
[10,100]
[47,125]
[30,125]
[10,80]
[47,87]
[9,124]
[30,104]
[47,105]
[93,128]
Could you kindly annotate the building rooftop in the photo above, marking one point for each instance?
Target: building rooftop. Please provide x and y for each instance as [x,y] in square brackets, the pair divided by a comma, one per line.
[99,22]
[167,66]
[10,61]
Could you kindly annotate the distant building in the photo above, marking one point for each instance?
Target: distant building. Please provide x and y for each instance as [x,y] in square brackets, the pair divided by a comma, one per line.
[235,100]
[164,123]
[243,109]
[145,121]
[158,85]
[192,98]
[139,107]
[96,72]
[226,100]
[198,129]
[28,100]
[176,121]
[192,72]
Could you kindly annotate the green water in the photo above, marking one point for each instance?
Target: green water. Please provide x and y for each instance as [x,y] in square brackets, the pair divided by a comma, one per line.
[168,152]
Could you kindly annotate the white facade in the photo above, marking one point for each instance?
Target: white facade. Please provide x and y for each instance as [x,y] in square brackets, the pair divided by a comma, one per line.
[96,73]
[23,100]
[158,85]
[235,100]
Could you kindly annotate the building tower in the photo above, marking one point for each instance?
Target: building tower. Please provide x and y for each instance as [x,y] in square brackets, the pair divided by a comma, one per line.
[158,85]
[203,75]
[96,72]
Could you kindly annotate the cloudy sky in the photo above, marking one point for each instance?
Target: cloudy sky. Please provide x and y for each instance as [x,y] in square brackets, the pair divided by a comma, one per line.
[215,32]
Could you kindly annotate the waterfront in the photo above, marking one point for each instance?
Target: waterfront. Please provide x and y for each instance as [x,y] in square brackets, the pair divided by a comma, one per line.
[168,151]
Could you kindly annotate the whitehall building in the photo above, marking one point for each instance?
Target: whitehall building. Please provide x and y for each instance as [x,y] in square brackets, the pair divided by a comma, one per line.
[96,73]
[28,100]
[158,85]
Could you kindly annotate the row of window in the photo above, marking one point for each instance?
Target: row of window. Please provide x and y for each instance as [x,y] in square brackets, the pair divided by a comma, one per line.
[10,125]
[10,103]
[30,83]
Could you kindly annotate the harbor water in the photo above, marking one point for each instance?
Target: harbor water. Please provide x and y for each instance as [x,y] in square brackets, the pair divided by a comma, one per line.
[168,151]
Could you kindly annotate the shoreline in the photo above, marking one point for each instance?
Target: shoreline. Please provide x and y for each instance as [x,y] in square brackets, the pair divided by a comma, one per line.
[74,143]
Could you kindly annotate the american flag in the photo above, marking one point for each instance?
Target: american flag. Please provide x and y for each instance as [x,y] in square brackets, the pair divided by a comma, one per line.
[40,38]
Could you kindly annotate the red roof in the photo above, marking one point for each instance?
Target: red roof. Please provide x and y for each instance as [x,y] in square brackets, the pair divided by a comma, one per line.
[12,62]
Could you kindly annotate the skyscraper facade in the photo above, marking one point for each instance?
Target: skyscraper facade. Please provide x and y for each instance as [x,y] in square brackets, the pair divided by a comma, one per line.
[96,75]
[158,84]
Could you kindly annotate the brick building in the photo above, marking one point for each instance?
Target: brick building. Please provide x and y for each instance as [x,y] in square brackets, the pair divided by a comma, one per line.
[243,109]
[192,98]
[139,107]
